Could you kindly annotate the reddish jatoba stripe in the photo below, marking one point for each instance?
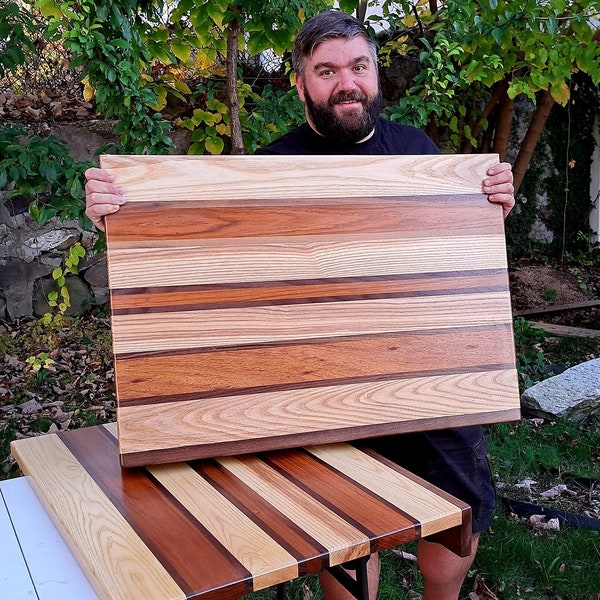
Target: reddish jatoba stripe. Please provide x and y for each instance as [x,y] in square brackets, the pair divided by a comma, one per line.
[195,560]
[197,220]
[169,299]
[229,371]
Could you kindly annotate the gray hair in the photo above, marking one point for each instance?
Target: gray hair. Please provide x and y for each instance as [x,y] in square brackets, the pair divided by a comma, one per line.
[328,25]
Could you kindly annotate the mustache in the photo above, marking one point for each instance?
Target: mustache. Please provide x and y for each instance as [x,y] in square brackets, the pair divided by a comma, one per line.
[355,96]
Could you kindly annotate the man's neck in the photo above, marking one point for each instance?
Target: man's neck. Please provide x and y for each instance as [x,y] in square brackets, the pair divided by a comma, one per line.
[367,137]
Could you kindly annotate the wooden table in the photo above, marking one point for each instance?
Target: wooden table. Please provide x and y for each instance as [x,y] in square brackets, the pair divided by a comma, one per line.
[225,527]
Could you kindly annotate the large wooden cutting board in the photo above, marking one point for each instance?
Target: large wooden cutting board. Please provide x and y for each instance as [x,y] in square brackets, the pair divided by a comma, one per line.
[264,302]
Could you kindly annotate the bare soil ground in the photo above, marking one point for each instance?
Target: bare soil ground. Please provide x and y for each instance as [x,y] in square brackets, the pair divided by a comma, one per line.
[536,287]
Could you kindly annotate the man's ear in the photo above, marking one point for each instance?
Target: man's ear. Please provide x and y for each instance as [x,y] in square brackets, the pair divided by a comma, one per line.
[300,87]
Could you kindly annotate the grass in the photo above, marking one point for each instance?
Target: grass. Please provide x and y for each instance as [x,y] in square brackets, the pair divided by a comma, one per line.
[516,561]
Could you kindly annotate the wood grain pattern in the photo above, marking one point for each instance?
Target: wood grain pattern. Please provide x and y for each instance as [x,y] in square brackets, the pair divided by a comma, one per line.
[262,304]
[274,177]
[218,529]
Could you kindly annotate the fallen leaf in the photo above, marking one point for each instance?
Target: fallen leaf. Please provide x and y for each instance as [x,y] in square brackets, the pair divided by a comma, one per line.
[539,522]
[554,492]
[405,555]
[481,591]
[30,407]
[306,593]
[526,484]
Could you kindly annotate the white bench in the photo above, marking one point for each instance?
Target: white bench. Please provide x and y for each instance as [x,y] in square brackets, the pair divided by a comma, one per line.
[35,562]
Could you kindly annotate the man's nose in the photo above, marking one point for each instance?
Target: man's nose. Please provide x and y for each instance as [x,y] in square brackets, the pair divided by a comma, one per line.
[346,81]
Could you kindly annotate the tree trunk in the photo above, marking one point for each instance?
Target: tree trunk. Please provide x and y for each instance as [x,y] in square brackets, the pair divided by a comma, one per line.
[499,91]
[233,34]
[504,126]
[534,131]
[433,7]
[361,11]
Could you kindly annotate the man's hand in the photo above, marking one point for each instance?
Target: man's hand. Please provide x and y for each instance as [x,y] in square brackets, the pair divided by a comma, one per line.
[499,186]
[102,196]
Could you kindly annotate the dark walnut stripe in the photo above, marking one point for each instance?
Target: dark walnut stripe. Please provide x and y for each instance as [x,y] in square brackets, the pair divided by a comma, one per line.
[269,367]
[172,299]
[424,215]
[190,554]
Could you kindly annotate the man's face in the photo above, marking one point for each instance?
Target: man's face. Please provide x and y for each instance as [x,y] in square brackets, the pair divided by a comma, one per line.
[340,90]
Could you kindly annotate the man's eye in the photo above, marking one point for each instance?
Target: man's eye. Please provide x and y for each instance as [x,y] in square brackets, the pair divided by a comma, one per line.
[360,68]
[326,72]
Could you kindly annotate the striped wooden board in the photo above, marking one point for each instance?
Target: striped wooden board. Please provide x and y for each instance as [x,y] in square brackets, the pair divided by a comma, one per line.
[262,302]
[222,528]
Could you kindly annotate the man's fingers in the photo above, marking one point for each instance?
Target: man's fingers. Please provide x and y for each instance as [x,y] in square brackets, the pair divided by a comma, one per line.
[94,173]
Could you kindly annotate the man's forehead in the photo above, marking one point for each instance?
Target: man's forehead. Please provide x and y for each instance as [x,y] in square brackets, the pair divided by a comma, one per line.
[340,51]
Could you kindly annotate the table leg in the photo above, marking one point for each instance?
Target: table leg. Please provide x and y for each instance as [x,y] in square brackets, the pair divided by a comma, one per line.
[359,586]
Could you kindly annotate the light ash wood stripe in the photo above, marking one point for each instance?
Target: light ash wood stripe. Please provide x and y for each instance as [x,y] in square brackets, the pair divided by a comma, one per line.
[91,524]
[257,416]
[239,326]
[402,492]
[231,261]
[180,178]
[343,541]
[264,558]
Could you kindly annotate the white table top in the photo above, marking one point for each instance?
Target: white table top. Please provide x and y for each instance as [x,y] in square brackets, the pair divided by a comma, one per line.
[35,562]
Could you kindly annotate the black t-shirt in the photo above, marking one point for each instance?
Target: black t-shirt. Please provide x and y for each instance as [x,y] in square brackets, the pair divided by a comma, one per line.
[388,138]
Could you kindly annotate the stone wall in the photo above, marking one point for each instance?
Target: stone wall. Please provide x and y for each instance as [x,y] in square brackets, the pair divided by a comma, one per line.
[28,255]
[29,252]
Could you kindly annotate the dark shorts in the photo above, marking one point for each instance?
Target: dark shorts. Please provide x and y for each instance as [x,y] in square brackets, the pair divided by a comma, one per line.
[454,460]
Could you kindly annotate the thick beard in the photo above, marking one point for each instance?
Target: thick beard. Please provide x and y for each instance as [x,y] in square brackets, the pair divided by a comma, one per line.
[350,128]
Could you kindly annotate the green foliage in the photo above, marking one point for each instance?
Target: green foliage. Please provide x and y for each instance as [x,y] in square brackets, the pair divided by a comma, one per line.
[561,168]
[274,113]
[198,39]
[104,40]
[210,125]
[541,43]
[15,25]
[531,364]
[436,92]
[43,170]
[571,142]
[60,299]
[469,46]
[40,363]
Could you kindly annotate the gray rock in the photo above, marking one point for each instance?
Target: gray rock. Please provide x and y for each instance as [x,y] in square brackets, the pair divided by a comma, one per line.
[575,393]
[79,292]
[57,238]
[16,282]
